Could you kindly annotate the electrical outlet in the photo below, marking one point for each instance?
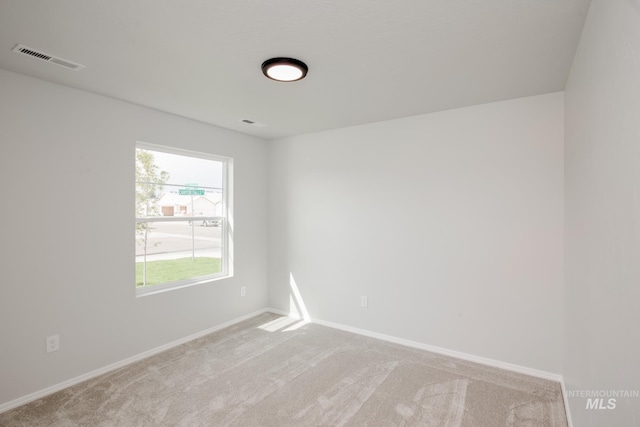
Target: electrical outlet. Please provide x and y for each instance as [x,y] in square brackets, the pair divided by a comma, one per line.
[364,302]
[243,291]
[53,343]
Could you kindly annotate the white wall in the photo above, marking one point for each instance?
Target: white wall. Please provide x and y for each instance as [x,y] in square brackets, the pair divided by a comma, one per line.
[603,213]
[451,223]
[67,241]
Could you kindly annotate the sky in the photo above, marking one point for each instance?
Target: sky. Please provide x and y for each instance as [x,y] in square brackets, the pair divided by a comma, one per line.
[189,170]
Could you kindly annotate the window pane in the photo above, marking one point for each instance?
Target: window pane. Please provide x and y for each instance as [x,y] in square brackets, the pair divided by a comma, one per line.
[177,250]
[176,185]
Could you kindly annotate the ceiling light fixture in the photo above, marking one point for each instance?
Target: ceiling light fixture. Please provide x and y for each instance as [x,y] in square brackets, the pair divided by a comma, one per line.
[284,69]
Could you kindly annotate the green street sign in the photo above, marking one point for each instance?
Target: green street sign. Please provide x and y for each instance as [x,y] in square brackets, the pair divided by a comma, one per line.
[190,192]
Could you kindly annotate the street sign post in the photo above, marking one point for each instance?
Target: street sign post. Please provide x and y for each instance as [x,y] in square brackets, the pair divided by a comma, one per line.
[191,190]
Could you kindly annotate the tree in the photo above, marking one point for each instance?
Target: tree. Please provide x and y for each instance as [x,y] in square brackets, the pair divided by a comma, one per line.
[150,181]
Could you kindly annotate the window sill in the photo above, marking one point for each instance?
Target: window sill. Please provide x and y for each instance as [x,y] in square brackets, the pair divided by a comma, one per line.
[166,287]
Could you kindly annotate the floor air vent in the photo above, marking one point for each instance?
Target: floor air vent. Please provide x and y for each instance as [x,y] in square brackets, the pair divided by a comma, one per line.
[34,53]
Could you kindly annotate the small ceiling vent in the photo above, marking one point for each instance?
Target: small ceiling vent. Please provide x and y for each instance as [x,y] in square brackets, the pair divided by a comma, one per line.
[34,53]
[252,123]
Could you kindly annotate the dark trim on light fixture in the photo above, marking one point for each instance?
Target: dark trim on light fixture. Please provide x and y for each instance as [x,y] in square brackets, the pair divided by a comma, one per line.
[298,69]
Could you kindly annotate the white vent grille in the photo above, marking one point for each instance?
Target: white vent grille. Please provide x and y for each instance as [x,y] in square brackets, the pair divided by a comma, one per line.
[34,53]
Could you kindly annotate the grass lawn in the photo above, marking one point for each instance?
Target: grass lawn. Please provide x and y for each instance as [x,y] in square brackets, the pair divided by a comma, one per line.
[176,269]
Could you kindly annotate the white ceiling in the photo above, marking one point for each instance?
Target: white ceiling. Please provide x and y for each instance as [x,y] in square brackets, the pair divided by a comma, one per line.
[369,60]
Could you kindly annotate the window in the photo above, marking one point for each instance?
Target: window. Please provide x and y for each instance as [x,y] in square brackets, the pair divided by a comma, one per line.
[183,228]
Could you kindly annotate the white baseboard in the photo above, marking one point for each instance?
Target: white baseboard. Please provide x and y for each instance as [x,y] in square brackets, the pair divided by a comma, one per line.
[464,356]
[282,313]
[414,344]
[457,354]
[567,409]
[84,377]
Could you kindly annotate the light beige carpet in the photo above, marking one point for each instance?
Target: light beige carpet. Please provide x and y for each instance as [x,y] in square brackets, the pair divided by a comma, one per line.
[273,371]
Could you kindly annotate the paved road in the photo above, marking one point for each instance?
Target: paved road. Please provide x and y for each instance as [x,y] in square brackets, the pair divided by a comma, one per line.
[171,240]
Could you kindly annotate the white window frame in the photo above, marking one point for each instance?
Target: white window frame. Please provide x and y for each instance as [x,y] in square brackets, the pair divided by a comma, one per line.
[226,261]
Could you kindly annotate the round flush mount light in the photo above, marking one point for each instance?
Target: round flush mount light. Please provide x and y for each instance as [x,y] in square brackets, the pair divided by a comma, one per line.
[284,69]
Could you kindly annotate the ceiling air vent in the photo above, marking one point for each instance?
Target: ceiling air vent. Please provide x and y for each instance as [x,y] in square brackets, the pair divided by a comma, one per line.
[34,53]
[252,123]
